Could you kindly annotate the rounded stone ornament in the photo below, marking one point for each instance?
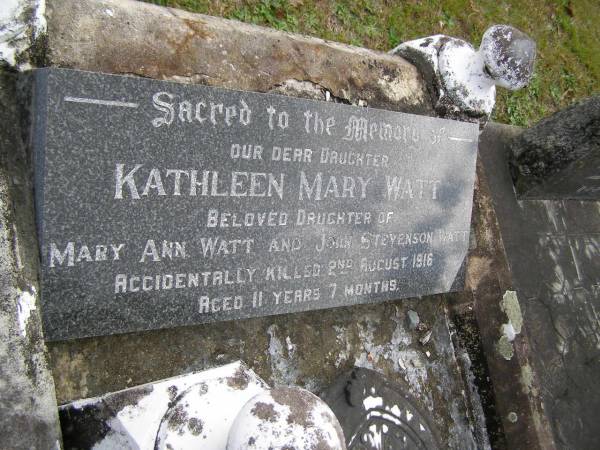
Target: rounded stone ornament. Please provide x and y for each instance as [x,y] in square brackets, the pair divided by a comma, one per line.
[463,78]
[508,55]
[288,418]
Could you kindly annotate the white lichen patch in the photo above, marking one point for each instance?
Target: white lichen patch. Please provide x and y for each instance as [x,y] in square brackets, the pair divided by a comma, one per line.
[291,347]
[21,22]
[341,338]
[527,384]
[510,306]
[396,352]
[284,367]
[400,90]
[25,305]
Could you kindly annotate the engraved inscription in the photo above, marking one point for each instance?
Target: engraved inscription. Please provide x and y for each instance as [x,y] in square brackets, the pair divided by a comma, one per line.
[187,204]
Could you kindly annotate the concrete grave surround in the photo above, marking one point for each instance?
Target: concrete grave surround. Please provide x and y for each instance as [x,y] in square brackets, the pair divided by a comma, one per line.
[307,349]
[313,348]
[28,416]
[553,249]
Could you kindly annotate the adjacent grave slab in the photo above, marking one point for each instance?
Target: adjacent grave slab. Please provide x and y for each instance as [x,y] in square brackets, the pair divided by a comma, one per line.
[163,204]
[553,249]
[559,158]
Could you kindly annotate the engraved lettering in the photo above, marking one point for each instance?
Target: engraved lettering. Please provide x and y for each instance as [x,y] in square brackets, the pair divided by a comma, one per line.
[165,107]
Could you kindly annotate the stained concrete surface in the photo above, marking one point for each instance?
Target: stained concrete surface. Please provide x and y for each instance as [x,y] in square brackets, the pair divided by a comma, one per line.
[307,349]
[553,249]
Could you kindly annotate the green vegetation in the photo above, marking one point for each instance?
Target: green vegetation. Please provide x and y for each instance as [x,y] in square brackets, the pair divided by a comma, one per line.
[567,34]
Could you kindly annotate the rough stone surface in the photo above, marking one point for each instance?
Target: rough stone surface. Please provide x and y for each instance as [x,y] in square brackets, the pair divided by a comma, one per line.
[559,158]
[286,417]
[28,416]
[22,32]
[134,38]
[554,255]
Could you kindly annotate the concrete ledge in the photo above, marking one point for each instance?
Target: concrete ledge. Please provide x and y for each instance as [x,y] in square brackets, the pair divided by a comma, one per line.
[128,37]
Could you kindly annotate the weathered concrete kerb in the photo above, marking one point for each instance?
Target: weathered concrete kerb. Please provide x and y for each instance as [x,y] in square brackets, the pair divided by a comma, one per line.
[28,414]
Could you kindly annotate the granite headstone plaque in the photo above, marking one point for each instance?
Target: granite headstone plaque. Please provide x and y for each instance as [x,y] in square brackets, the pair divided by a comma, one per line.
[161,204]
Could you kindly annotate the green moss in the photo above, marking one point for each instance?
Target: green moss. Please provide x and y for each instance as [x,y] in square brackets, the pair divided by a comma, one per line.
[566,32]
[527,382]
[505,348]
[510,305]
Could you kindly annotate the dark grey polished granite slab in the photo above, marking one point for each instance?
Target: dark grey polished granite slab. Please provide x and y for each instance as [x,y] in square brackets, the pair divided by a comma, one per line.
[162,204]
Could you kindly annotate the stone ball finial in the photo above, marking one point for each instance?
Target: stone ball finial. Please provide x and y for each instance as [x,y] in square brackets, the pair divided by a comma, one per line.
[286,417]
[508,55]
[462,79]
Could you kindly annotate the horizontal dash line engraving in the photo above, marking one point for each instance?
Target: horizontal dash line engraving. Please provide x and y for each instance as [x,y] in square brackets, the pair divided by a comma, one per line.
[460,139]
[569,235]
[95,101]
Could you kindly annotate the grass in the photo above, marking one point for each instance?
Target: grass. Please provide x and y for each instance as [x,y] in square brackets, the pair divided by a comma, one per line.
[567,33]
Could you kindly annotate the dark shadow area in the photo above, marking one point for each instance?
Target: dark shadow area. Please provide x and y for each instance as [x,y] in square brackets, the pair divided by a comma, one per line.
[467,339]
